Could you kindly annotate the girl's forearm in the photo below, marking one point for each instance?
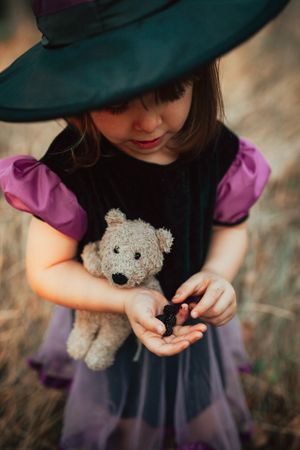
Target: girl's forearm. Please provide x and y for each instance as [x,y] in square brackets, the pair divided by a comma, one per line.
[69,284]
[55,275]
[227,250]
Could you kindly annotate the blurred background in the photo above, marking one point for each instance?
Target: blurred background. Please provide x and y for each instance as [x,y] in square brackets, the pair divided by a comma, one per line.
[261,85]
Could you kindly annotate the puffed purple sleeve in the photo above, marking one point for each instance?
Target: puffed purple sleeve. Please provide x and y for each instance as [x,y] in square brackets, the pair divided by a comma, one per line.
[29,185]
[242,185]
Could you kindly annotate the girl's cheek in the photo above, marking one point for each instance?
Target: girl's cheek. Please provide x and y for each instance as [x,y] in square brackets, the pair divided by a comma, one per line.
[177,121]
[177,113]
[109,125]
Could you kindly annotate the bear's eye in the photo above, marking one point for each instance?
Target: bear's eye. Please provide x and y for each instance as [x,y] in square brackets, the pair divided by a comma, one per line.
[137,255]
[116,249]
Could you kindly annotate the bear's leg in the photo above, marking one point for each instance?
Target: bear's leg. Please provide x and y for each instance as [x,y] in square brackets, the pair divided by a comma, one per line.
[114,329]
[85,329]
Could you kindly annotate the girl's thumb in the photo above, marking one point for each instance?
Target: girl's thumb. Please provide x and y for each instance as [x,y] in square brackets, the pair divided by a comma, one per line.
[153,324]
[183,292]
[190,287]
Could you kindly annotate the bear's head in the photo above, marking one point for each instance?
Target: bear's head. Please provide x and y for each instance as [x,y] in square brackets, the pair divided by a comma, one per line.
[129,252]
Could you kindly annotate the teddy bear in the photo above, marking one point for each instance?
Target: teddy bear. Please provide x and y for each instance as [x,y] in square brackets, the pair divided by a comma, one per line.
[129,254]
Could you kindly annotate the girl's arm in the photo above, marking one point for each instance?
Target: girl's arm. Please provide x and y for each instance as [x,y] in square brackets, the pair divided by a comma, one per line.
[227,250]
[226,253]
[54,274]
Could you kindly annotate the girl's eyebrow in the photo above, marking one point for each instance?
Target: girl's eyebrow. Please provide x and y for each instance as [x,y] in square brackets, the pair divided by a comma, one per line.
[120,105]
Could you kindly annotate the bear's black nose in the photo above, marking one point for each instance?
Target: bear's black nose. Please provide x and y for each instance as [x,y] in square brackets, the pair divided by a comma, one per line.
[119,278]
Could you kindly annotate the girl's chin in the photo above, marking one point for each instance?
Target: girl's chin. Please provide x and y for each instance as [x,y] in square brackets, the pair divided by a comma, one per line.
[154,155]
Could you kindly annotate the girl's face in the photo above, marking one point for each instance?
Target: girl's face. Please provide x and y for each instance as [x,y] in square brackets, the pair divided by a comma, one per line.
[144,128]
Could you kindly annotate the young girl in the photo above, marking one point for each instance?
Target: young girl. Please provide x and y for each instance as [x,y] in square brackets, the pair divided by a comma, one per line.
[149,143]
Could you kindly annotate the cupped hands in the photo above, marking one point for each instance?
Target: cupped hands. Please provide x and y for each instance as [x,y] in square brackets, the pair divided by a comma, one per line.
[142,306]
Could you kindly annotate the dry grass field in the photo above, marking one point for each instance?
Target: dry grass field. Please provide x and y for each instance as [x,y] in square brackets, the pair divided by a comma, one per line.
[262,98]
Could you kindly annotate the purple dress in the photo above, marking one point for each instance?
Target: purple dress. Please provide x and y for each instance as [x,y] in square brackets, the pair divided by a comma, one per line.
[195,396]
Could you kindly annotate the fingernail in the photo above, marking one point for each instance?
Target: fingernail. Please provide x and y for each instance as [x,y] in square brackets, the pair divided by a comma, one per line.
[177,295]
[194,314]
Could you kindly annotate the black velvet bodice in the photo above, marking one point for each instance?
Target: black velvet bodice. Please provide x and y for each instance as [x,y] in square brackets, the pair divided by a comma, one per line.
[179,196]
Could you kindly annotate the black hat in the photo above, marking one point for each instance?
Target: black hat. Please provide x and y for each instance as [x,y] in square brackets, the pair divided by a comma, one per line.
[94,53]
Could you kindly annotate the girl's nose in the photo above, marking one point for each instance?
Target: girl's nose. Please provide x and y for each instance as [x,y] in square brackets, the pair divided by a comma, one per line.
[148,120]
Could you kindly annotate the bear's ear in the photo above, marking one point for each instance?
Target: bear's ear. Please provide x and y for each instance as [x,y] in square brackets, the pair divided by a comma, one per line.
[165,239]
[115,217]
[91,258]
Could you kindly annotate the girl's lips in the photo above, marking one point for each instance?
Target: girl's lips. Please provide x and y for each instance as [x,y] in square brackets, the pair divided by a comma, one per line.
[148,144]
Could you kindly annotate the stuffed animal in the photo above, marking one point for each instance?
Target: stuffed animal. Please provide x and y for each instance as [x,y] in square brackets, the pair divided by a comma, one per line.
[129,254]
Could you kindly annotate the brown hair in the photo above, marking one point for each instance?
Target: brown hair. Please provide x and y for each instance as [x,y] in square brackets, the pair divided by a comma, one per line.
[198,131]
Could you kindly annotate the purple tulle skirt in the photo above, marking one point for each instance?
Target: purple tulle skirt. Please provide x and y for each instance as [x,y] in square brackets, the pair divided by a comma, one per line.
[194,397]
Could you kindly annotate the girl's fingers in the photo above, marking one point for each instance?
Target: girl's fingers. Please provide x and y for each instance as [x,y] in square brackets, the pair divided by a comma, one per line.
[182,314]
[209,299]
[172,344]
[161,348]
[183,330]
[221,319]
[182,337]
[192,337]
[152,324]
[222,312]
[224,303]
[193,285]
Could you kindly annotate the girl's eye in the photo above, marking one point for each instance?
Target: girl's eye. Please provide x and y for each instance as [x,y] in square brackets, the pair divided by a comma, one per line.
[137,255]
[116,249]
[117,109]
[173,92]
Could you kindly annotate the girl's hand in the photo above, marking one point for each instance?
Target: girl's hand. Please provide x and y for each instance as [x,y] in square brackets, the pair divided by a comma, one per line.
[141,307]
[218,304]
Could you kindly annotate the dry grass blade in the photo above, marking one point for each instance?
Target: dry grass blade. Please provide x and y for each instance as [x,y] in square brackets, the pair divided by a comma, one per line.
[269,309]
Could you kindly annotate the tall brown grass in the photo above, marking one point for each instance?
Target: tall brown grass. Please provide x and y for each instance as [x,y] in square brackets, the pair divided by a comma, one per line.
[262,97]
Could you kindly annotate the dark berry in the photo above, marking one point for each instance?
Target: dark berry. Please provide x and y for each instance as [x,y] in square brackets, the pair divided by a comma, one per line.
[169,309]
[171,320]
[162,317]
[169,330]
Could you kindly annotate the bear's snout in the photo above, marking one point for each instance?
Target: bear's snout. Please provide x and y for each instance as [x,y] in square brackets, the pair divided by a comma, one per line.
[119,278]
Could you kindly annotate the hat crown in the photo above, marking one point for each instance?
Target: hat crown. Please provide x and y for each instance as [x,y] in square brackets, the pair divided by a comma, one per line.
[58,19]
[45,7]
[107,51]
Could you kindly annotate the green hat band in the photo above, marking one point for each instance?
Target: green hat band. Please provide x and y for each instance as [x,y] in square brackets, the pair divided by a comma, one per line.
[95,17]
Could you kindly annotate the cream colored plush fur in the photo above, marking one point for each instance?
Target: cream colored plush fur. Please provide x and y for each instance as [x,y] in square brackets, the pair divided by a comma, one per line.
[131,253]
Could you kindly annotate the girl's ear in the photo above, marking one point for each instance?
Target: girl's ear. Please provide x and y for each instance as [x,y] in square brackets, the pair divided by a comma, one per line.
[115,217]
[91,258]
[165,239]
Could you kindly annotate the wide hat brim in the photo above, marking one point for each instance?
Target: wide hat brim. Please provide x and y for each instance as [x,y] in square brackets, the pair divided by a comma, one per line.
[48,83]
